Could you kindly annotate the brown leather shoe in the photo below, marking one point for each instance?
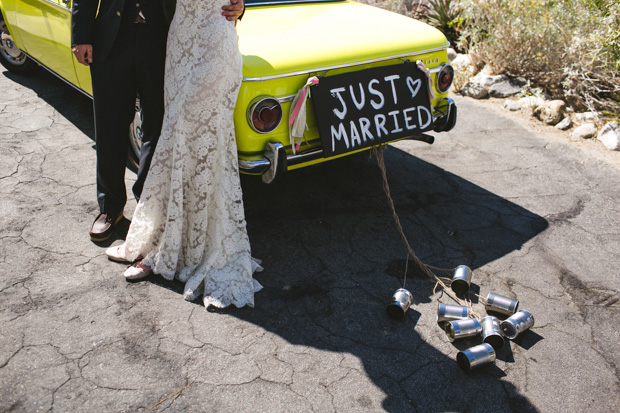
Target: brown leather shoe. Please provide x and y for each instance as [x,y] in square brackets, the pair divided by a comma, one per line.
[103,226]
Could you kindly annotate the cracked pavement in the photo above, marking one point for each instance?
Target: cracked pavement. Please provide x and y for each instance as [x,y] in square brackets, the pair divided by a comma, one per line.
[534,217]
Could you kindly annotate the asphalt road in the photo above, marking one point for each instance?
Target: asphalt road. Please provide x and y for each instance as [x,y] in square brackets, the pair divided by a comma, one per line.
[536,219]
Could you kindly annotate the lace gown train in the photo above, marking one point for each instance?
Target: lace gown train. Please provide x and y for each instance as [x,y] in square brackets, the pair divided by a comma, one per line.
[190,221]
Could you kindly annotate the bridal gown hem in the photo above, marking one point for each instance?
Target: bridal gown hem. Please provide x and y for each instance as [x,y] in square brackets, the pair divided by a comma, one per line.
[189,223]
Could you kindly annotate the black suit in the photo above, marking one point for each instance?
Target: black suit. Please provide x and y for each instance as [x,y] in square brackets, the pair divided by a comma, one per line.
[128,59]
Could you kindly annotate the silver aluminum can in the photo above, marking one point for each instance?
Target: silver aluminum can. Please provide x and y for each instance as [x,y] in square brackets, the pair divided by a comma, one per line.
[475,357]
[492,332]
[401,301]
[463,328]
[461,279]
[498,304]
[517,323]
[447,312]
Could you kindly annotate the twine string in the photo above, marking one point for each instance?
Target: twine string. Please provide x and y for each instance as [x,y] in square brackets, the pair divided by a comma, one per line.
[427,269]
[406,269]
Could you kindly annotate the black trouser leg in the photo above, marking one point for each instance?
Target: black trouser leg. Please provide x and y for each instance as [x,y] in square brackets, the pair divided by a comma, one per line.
[114,94]
[150,63]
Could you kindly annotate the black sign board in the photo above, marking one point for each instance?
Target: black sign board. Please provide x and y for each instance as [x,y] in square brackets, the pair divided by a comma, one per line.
[360,109]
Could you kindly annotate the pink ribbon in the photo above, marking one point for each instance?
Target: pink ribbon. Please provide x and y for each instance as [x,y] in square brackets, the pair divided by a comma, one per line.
[304,91]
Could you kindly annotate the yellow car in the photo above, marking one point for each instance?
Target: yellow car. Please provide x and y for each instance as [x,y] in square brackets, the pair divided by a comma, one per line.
[358,76]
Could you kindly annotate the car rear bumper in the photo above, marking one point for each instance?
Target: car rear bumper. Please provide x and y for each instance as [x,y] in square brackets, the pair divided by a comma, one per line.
[275,161]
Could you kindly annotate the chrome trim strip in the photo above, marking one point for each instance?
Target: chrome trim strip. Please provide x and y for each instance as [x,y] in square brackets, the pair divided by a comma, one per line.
[285,99]
[57,75]
[322,69]
[62,6]
[254,167]
[262,165]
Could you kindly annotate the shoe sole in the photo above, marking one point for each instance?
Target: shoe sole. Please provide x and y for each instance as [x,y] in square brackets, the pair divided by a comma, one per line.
[94,238]
[139,276]
[121,260]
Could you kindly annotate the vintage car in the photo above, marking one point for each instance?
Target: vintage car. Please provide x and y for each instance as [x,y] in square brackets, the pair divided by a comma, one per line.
[377,76]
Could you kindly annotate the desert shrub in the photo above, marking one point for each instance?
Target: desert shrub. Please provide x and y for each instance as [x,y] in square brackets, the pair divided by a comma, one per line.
[446,15]
[568,47]
[416,9]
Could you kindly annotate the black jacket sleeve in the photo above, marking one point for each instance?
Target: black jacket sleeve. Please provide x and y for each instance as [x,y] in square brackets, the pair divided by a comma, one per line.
[243,12]
[83,21]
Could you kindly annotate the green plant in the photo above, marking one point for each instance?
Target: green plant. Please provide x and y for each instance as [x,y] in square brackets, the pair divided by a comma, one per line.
[446,16]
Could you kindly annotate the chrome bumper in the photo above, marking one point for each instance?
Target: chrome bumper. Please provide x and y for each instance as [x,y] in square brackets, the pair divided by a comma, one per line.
[275,160]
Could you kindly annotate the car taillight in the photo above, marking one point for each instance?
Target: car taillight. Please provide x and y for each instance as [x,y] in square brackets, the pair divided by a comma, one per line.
[444,78]
[265,114]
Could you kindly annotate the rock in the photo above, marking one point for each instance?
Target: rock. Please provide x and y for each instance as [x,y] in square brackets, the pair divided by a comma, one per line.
[610,136]
[461,60]
[475,90]
[585,131]
[550,112]
[451,54]
[488,80]
[586,116]
[531,102]
[507,88]
[512,105]
[564,124]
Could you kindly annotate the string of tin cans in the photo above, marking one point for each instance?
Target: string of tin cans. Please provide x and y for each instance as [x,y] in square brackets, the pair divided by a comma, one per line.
[460,321]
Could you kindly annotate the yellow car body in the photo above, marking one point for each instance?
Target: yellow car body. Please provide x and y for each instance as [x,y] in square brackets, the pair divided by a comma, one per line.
[283,44]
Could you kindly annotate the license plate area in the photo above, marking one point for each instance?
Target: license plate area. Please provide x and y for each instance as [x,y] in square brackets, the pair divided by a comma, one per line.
[360,109]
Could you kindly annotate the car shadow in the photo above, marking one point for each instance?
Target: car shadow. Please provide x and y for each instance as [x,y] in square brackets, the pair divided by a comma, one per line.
[333,258]
[72,104]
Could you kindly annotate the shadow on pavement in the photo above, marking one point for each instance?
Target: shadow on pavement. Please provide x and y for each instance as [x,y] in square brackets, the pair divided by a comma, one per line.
[333,258]
[73,105]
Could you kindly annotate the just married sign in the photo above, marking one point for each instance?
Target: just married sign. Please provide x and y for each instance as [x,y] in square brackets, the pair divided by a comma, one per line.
[356,110]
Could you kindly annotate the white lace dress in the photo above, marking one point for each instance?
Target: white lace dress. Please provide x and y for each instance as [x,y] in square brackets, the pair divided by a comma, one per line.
[190,222]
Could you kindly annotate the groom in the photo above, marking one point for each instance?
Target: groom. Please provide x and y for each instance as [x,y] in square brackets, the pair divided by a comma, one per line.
[124,43]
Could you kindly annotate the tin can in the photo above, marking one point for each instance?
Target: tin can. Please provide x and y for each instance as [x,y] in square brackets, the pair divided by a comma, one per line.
[461,279]
[401,301]
[463,328]
[448,312]
[475,357]
[498,304]
[517,323]
[492,332]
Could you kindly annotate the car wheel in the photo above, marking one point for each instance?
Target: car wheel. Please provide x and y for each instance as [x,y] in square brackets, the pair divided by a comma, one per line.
[135,136]
[11,56]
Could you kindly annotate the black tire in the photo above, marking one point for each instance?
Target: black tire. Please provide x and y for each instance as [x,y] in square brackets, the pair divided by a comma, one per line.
[135,137]
[10,56]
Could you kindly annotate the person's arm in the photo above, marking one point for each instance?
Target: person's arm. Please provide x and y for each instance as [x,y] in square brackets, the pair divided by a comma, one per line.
[82,29]
[234,11]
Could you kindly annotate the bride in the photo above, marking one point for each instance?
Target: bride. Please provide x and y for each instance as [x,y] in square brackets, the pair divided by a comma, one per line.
[189,223]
